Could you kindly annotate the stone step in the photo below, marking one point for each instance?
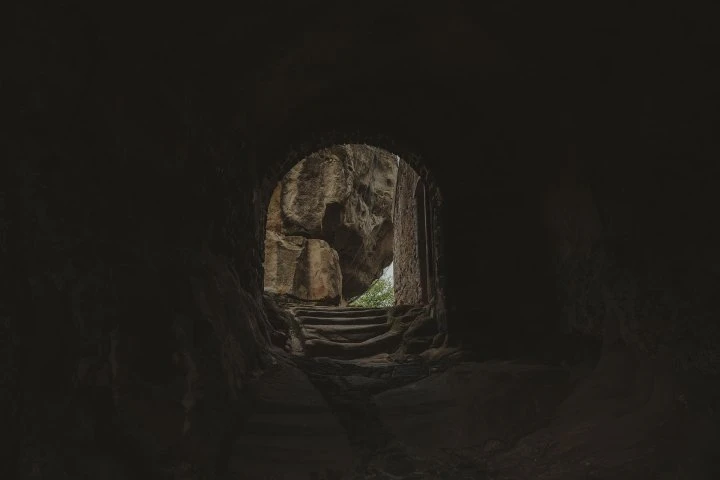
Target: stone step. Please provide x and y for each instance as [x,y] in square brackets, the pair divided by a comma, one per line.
[335,307]
[382,343]
[340,312]
[345,333]
[312,320]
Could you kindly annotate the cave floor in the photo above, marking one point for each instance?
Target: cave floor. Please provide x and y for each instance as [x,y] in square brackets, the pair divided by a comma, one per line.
[363,413]
[324,412]
[449,418]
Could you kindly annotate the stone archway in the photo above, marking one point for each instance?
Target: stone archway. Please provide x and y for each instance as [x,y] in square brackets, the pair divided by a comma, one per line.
[432,204]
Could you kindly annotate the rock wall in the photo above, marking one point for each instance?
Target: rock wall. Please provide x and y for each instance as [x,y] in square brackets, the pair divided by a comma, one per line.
[340,200]
[406,266]
[144,342]
[131,316]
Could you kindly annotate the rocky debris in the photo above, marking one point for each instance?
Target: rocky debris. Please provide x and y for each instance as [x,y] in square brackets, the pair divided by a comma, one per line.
[342,196]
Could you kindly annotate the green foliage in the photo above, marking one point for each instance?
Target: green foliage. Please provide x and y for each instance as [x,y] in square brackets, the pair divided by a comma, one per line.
[380,294]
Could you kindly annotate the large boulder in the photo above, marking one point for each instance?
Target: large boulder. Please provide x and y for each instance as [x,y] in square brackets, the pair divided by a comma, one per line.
[303,268]
[343,196]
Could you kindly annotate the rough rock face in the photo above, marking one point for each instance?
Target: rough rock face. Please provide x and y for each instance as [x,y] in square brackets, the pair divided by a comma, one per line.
[150,348]
[406,263]
[305,268]
[340,198]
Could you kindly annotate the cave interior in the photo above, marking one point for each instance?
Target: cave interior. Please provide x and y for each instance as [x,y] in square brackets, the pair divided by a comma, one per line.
[578,251]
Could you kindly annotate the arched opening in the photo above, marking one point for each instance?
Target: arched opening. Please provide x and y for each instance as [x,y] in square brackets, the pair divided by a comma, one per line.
[347,229]
[307,202]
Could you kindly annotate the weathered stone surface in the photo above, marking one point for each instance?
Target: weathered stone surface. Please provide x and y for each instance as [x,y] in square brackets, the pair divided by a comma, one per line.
[355,333]
[406,261]
[280,321]
[303,268]
[343,195]
[420,334]
[278,317]
[345,333]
